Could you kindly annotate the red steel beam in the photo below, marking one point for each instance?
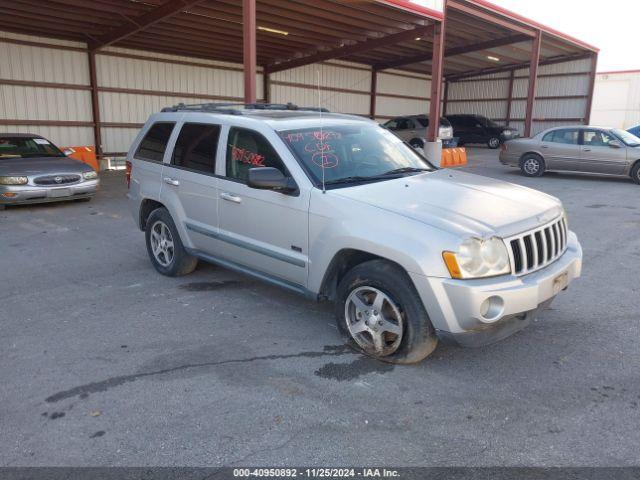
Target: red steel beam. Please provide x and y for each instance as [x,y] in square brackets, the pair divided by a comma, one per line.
[95,103]
[512,78]
[445,99]
[137,24]
[592,84]
[249,49]
[373,94]
[437,66]
[533,81]
[344,51]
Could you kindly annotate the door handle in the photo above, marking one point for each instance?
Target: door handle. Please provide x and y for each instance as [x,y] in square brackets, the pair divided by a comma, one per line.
[545,146]
[171,181]
[229,197]
[586,149]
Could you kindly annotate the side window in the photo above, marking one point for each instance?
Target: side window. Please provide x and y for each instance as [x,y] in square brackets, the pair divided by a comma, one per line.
[196,147]
[597,138]
[155,141]
[404,124]
[565,136]
[247,149]
[392,125]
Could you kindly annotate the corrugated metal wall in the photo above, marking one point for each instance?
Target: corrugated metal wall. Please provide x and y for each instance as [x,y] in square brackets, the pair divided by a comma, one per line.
[488,95]
[616,101]
[31,64]
[46,90]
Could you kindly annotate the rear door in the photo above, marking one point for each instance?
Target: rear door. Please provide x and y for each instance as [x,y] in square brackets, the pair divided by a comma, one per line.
[264,230]
[598,156]
[147,160]
[561,150]
[189,187]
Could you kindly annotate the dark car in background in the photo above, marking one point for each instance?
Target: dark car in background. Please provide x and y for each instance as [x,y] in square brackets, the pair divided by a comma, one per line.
[34,170]
[479,129]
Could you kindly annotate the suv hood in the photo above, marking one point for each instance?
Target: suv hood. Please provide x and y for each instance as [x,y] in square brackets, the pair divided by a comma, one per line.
[460,203]
[41,165]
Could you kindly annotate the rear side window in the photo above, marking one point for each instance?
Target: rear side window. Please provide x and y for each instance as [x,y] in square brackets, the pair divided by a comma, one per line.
[247,149]
[566,136]
[196,147]
[155,142]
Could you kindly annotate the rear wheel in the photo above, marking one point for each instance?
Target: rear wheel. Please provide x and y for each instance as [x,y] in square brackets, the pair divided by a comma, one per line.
[164,246]
[635,173]
[381,314]
[493,143]
[532,165]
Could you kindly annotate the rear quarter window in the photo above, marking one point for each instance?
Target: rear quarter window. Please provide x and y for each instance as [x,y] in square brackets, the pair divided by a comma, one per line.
[154,143]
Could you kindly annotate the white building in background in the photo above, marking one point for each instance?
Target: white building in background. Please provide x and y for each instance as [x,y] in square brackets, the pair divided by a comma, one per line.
[616,99]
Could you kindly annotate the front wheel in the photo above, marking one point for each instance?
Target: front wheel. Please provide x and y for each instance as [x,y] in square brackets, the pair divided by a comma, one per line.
[532,165]
[381,314]
[164,246]
[635,173]
[493,143]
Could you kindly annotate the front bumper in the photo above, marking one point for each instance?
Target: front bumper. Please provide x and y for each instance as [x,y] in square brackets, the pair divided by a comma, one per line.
[455,306]
[22,194]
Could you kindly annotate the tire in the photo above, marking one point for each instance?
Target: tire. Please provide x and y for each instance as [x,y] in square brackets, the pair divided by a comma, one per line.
[411,336]
[417,143]
[532,165]
[635,173]
[493,143]
[160,234]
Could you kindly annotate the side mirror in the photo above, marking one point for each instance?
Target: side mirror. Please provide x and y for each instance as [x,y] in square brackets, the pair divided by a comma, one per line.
[67,152]
[615,144]
[269,178]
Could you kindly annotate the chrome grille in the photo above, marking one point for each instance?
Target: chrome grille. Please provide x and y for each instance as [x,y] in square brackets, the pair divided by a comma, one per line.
[533,250]
[57,179]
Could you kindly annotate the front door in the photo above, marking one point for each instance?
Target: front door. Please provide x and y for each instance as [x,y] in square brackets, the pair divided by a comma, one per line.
[189,187]
[598,156]
[263,230]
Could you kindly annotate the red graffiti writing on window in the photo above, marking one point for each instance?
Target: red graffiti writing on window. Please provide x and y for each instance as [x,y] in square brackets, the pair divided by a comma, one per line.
[325,160]
[245,156]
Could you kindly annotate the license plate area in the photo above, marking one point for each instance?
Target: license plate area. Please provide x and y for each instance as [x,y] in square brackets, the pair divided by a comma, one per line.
[59,192]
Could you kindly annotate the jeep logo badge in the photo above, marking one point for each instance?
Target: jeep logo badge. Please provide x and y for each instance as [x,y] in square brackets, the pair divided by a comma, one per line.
[58,179]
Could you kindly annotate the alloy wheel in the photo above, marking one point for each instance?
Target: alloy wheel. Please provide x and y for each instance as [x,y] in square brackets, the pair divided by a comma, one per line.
[531,166]
[374,321]
[162,243]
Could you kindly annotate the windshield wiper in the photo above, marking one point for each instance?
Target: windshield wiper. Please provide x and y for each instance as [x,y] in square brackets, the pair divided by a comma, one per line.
[353,179]
[399,171]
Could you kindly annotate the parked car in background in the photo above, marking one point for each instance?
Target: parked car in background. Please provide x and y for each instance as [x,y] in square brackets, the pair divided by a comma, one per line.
[413,129]
[635,130]
[34,170]
[587,149]
[337,208]
[479,129]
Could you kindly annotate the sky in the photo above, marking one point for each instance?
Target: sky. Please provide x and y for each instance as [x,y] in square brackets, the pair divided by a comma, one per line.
[611,25]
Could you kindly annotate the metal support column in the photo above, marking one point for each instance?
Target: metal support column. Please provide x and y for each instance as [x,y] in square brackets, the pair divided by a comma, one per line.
[249,49]
[436,82]
[592,84]
[373,93]
[512,78]
[95,103]
[533,81]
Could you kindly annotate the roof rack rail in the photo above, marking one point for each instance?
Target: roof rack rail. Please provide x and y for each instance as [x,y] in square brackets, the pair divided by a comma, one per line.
[238,108]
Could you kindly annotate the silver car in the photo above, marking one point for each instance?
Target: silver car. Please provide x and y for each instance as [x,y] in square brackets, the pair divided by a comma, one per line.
[585,149]
[337,208]
[34,170]
[413,129]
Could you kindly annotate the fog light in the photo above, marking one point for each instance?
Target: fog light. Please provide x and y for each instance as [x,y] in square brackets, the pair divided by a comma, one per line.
[9,194]
[492,308]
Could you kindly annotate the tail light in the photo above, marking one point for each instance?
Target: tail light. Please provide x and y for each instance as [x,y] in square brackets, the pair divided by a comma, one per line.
[128,173]
[503,147]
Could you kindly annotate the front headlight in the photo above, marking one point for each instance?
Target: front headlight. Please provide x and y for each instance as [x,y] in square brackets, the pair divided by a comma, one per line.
[13,180]
[90,175]
[478,258]
[507,133]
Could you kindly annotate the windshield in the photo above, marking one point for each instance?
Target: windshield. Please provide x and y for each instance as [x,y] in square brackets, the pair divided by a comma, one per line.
[424,121]
[353,154]
[628,138]
[26,147]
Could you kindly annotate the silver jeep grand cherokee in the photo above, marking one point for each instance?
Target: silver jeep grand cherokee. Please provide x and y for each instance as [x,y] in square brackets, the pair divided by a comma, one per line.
[338,208]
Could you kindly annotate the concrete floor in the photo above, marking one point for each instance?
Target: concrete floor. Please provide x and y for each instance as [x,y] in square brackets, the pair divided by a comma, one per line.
[105,362]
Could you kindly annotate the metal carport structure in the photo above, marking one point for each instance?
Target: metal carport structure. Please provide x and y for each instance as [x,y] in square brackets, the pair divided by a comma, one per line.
[394,44]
